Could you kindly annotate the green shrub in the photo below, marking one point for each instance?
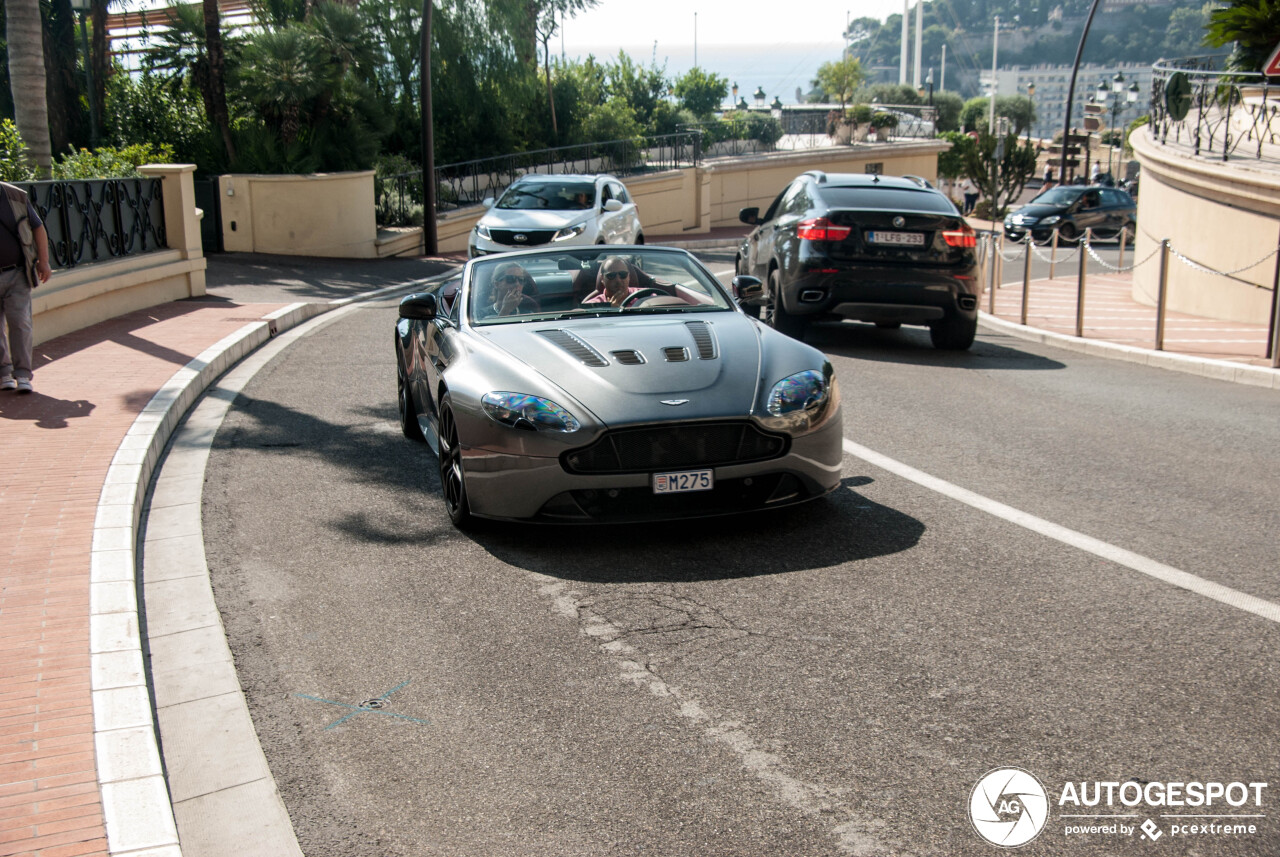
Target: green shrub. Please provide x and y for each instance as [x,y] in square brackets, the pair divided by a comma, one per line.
[14,166]
[108,162]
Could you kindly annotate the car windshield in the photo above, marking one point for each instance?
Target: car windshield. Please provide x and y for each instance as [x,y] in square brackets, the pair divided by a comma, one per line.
[1058,196]
[550,196]
[589,282]
[888,199]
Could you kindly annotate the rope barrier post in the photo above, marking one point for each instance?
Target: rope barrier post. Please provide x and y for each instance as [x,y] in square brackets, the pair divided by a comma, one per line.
[1124,233]
[1273,347]
[1161,293]
[991,277]
[1053,254]
[1026,277]
[999,260]
[1080,281]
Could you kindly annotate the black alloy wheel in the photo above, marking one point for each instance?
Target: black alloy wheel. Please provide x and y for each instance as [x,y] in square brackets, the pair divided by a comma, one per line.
[453,482]
[408,408]
[774,315]
[1068,234]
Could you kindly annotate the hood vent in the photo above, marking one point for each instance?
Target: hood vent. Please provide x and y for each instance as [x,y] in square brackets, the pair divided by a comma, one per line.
[703,339]
[628,358]
[575,346]
[676,354]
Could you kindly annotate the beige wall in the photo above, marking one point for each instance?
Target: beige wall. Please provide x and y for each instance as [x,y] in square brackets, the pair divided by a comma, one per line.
[690,201]
[1219,215]
[327,214]
[85,295]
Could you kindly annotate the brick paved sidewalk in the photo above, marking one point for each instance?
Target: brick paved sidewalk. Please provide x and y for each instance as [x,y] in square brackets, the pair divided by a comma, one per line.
[57,444]
[1112,315]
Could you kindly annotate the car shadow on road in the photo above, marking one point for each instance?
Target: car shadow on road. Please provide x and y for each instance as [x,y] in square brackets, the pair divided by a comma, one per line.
[911,345]
[841,528]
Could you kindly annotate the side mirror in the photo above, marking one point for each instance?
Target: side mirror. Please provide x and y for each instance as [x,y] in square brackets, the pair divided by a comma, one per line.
[747,289]
[418,307]
[749,216]
[488,202]
[613,205]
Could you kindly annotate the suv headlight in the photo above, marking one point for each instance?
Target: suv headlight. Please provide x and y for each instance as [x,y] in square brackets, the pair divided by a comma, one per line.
[1050,221]
[798,392]
[569,232]
[483,231]
[531,413]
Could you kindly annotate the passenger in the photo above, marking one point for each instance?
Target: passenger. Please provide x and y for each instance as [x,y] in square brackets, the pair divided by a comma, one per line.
[614,284]
[506,293]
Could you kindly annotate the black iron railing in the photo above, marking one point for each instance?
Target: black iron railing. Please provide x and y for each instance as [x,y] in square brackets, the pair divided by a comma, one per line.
[1218,114]
[400,197]
[99,219]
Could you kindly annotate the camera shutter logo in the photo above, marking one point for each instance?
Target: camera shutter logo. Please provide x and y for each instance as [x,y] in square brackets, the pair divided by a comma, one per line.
[1008,807]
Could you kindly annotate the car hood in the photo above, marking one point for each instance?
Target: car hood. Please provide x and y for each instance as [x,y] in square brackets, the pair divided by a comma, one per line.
[628,369]
[524,218]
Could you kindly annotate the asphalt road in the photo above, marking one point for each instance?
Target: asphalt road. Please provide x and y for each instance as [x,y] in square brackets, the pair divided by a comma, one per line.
[829,680]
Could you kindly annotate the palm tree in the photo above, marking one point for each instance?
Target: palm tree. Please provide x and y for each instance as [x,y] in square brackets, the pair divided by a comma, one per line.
[25,38]
[283,71]
[217,75]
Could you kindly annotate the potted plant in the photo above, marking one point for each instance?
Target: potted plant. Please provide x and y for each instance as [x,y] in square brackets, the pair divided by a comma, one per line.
[861,114]
[841,127]
[884,123]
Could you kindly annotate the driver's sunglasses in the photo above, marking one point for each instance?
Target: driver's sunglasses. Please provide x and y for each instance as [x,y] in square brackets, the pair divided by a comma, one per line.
[616,275]
[512,278]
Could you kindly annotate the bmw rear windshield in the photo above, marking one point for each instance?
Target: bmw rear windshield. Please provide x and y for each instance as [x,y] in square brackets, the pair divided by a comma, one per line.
[887,199]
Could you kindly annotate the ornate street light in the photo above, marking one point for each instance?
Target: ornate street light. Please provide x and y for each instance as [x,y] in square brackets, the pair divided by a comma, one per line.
[759,96]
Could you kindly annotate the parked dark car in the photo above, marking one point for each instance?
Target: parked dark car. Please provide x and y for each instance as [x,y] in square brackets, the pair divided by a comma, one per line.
[880,249]
[1070,210]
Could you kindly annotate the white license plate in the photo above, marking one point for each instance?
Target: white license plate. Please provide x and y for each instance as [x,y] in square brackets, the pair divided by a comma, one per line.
[903,239]
[684,480]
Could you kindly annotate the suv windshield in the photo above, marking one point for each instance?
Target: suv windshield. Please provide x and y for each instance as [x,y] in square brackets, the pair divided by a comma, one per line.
[549,196]
[1058,196]
[570,283]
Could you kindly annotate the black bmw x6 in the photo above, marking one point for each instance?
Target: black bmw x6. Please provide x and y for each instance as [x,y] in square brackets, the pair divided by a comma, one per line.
[879,249]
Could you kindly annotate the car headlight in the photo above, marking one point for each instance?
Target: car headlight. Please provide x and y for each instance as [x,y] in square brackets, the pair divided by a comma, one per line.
[530,413]
[1050,221]
[483,232]
[798,392]
[569,232]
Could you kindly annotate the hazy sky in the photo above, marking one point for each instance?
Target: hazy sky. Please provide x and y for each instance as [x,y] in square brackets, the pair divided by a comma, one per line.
[671,22]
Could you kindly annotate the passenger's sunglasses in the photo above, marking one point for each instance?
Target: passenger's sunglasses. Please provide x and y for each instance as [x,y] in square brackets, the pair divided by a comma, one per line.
[512,278]
[616,275]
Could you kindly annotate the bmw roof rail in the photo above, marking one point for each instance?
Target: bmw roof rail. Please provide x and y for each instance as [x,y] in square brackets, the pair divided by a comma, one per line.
[817,175]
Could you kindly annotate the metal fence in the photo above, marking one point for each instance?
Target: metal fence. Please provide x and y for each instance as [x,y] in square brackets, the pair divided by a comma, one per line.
[98,219]
[1219,114]
[400,197]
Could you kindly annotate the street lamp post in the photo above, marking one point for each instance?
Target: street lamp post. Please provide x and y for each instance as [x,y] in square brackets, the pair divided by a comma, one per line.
[759,96]
[1113,92]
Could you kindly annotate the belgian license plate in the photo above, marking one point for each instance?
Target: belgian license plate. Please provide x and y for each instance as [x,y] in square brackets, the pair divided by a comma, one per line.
[902,239]
[684,480]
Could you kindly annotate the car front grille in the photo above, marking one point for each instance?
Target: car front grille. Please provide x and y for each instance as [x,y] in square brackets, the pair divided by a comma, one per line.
[673,446]
[532,237]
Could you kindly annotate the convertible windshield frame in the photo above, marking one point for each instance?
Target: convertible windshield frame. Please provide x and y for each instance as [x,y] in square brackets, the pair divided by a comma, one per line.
[554,283]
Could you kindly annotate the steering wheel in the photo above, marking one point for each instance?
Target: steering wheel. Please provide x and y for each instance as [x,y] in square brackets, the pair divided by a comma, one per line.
[640,294]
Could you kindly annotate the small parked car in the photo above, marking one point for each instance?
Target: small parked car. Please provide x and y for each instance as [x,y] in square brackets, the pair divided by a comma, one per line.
[559,210]
[1070,209]
[882,249]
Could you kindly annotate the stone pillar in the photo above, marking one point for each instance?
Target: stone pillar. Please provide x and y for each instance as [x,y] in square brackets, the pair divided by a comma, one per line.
[181,217]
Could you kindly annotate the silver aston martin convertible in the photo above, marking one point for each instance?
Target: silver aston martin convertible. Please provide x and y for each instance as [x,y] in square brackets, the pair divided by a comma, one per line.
[611,384]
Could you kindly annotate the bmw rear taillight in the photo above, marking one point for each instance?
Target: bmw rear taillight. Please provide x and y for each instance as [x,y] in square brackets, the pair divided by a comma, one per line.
[962,237]
[821,229]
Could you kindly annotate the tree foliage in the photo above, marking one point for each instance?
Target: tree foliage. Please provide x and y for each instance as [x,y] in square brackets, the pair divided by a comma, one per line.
[1252,25]
[701,92]
[1000,167]
[840,79]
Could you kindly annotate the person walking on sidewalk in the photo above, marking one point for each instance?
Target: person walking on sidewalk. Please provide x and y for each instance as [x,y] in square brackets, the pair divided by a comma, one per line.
[970,191]
[24,264]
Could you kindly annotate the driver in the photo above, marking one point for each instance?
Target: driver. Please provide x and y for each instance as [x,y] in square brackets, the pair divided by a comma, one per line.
[614,284]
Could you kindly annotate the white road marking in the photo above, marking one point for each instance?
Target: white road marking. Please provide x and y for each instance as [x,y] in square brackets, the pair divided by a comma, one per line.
[1129,559]
[853,836]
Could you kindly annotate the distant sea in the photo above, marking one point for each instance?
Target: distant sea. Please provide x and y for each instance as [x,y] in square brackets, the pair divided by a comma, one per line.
[777,69]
